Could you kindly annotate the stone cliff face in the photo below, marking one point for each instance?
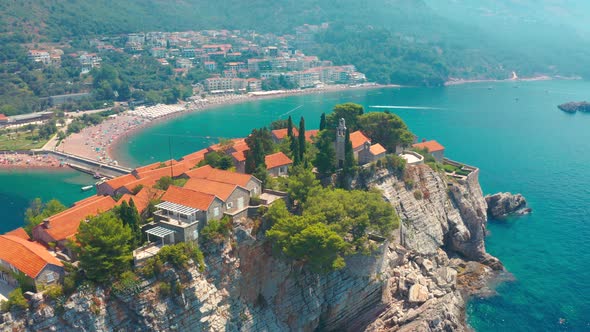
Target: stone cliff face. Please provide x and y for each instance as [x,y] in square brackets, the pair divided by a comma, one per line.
[416,281]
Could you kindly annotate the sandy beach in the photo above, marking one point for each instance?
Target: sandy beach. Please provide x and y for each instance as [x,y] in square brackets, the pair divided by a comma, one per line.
[98,142]
[22,160]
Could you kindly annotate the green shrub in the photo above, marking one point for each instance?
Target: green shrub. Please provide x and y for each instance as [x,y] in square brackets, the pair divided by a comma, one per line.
[417,194]
[52,292]
[152,267]
[16,300]
[164,289]
[255,201]
[178,255]
[395,163]
[217,230]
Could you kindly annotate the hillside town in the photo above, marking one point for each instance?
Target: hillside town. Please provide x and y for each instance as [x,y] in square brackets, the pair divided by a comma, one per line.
[234,61]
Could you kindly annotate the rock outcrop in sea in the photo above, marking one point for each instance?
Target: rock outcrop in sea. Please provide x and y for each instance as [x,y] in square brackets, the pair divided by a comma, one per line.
[573,107]
[418,280]
[501,205]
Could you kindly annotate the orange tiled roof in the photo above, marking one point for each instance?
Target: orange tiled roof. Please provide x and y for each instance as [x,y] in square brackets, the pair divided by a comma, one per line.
[148,167]
[3,117]
[28,257]
[87,200]
[239,156]
[121,181]
[213,174]
[310,134]
[19,232]
[432,146]
[177,169]
[237,144]
[65,224]
[276,160]
[280,134]
[195,157]
[201,172]
[187,197]
[143,197]
[358,139]
[149,181]
[377,149]
[219,189]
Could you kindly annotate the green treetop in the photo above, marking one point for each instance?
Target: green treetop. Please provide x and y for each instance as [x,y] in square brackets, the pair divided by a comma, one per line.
[290,127]
[325,158]
[349,112]
[130,217]
[103,249]
[386,129]
[323,122]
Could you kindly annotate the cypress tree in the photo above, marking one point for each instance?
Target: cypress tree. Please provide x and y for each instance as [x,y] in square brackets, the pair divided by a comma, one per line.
[295,150]
[348,153]
[301,138]
[323,122]
[134,221]
[290,127]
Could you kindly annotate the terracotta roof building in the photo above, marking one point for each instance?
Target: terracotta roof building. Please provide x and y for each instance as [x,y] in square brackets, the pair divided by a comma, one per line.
[434,147]
[182,213]
[30,258]
[277,164]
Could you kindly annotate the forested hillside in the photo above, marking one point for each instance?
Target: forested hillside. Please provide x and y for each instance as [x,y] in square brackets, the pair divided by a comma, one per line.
[417,42]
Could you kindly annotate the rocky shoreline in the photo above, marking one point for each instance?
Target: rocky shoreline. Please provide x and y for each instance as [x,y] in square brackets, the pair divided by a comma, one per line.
[420,279]
[502,205]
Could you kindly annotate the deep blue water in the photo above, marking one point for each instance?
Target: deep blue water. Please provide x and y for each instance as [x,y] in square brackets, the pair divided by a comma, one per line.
[518,138]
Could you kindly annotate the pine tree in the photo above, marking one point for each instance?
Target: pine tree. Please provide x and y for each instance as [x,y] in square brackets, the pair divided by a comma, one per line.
[103,247]
[323,122]
[301,139]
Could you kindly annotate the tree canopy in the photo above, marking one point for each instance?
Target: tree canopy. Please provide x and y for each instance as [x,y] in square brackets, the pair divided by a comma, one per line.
[103,247]
[386,129]
[38,211]
[347,111]
[333,224]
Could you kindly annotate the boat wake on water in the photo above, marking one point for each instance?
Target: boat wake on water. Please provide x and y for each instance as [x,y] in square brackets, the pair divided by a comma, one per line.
[406,107]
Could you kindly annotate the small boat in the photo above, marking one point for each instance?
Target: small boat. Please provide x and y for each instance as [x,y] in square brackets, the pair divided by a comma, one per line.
[86,188]
[97,176]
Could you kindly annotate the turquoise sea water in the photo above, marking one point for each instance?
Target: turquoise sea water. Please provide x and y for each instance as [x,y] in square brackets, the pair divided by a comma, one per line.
[512,131]
[19,187]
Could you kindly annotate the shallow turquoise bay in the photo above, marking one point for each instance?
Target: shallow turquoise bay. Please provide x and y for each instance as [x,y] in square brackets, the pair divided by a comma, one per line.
[512,131]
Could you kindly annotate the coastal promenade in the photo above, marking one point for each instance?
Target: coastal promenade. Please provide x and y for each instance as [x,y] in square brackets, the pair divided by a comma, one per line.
[88,165]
